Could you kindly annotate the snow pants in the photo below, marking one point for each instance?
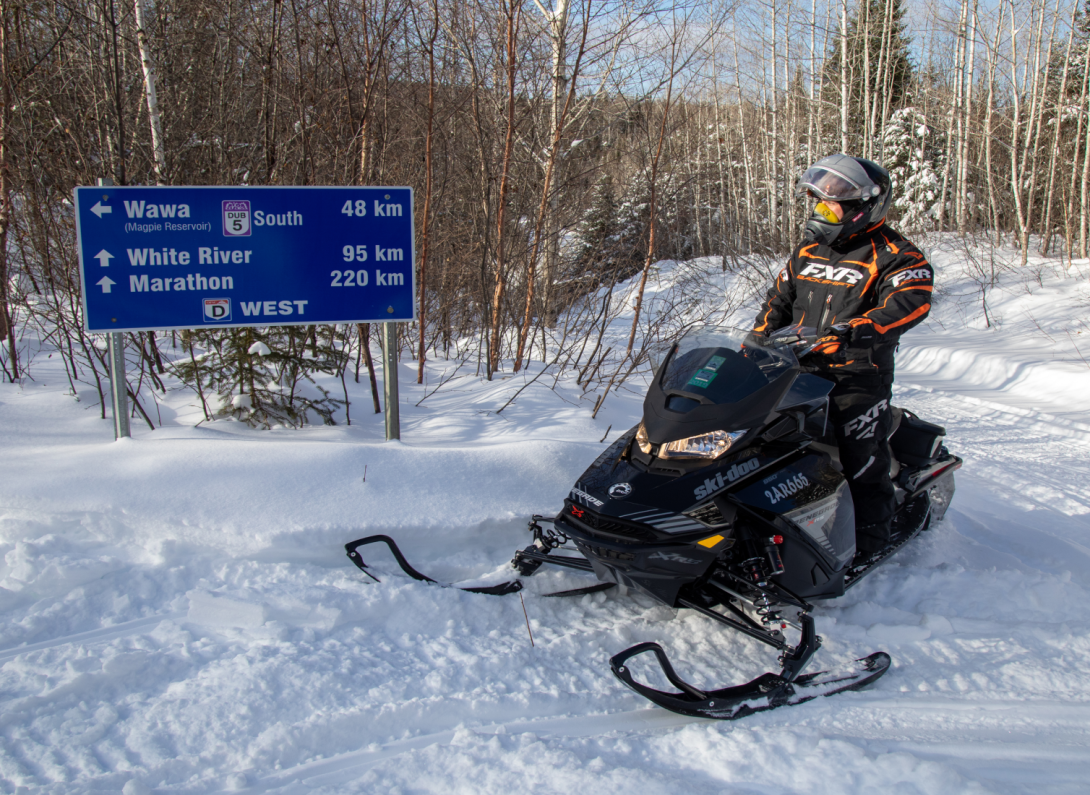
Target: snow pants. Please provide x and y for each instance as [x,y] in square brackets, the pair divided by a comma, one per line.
[861,420]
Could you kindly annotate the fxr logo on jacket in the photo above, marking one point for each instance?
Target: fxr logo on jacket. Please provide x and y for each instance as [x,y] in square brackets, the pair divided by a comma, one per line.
[831,273]
[867,422]
[912,275]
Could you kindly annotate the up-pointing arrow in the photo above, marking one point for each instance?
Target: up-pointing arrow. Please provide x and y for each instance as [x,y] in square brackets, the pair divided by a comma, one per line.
[106,283]
[104,258]
[101,208]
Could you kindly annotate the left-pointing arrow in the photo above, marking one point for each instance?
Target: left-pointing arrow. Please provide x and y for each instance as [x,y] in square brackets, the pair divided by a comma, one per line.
[106,283]
[101,208]
[104,258]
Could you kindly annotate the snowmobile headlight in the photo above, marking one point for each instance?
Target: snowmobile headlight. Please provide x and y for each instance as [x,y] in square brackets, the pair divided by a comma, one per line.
[704,445]
[642,440]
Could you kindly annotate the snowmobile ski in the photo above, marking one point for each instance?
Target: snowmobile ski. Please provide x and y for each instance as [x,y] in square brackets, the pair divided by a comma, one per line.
[768,691]
[502,589]
[596,588]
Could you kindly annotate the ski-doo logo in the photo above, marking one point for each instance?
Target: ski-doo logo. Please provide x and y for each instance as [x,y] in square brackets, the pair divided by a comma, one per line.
[832,274]
[619,491]
[867,422]
[712,485]
[673,557]
[912,275]
[587,497]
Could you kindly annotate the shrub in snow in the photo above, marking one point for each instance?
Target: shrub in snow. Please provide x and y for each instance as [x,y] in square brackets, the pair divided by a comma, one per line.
[263,376]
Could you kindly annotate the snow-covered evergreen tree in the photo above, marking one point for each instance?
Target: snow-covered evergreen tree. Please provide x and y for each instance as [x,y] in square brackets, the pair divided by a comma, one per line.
[263,376]
[612,239]
[914,156]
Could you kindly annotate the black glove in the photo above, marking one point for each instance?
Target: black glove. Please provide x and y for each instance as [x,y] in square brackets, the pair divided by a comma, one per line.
[859,336]
[863,335]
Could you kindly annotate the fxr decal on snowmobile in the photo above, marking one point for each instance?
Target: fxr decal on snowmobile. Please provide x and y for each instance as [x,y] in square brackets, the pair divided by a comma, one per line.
[712,485]
[831,274]
[867,422]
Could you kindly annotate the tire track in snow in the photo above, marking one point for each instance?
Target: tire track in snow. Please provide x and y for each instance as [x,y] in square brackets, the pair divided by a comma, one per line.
[1013,746]
[349,766]
[92,636]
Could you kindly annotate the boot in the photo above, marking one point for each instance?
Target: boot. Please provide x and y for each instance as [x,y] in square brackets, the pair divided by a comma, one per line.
[872,537]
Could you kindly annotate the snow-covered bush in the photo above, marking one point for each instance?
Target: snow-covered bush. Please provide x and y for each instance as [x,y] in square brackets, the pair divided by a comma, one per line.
[914,155]
[263,376]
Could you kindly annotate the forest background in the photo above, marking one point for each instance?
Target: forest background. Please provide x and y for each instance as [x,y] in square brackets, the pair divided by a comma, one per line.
[554,151]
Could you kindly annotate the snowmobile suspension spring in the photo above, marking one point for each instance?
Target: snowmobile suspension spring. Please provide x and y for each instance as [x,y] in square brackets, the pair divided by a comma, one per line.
[764,606]
[769,615]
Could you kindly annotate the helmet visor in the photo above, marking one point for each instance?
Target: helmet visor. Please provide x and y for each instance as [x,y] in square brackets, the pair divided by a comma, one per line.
[828,184]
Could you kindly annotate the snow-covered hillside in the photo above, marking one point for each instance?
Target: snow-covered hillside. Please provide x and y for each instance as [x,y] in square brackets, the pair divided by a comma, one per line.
[179,615]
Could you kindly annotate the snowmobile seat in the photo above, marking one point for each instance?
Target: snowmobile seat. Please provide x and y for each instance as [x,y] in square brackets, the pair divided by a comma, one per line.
[916,442]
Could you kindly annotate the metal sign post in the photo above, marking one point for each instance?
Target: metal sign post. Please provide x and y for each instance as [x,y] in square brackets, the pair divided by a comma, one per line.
[389,376]
[115,352]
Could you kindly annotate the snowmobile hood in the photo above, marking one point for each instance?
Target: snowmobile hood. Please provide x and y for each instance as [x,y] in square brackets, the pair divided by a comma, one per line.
[712,380]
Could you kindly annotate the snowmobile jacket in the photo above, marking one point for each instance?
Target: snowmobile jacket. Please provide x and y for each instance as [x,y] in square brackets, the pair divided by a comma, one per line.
[875,284]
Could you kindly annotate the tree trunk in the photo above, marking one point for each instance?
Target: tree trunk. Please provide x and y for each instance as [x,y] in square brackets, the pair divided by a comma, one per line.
[844,77]
[365,346]
[146,63]
[425,221]
[1061,101]
[6,331]
[514,17]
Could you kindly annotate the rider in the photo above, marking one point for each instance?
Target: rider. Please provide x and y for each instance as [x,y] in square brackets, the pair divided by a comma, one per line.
[862,285]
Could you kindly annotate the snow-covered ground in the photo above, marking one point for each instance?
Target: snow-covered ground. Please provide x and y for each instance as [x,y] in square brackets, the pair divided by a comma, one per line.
[179,614]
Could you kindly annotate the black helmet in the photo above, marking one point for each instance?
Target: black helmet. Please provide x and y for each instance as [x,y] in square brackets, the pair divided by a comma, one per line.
[861,186]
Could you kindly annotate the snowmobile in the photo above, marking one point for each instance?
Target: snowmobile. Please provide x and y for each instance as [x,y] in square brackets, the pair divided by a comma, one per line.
[728,499]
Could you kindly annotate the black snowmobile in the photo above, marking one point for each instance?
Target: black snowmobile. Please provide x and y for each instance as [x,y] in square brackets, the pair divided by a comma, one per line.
[728,499]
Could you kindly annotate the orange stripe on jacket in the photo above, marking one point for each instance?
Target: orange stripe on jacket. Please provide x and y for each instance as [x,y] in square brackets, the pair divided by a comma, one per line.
[922,310]
[865,319]
[805,252]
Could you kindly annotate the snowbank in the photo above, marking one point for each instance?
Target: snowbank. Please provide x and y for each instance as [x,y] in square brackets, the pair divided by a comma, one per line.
[179,615]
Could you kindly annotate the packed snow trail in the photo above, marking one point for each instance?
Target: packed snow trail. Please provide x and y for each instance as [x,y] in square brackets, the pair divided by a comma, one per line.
[179,613]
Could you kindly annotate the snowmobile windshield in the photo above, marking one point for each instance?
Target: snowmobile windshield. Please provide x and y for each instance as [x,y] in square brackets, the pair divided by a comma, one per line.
[720,366]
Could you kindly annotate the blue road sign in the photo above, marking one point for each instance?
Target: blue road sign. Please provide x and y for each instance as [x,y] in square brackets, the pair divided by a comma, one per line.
[166,257]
